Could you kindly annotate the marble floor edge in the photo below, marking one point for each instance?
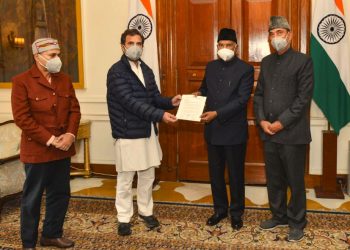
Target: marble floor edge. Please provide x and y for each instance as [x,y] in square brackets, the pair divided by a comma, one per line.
[192,193]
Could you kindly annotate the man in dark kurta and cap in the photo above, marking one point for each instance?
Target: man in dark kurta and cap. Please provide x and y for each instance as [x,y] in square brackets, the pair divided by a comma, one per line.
[227,84]
[281,104]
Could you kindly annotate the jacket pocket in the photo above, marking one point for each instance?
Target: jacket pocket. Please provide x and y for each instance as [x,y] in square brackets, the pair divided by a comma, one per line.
[63,100]
[31,147]
[39,103]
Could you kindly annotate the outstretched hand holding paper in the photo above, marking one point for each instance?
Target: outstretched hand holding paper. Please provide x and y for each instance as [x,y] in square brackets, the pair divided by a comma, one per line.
[191,108]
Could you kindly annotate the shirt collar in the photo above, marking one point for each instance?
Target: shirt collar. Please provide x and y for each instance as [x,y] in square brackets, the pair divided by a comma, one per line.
[132,64]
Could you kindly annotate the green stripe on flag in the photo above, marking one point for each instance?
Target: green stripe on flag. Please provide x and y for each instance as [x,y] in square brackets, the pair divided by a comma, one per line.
[330,93]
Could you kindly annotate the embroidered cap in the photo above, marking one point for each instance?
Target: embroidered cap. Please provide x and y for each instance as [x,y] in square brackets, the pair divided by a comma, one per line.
[44,44]
[278,22]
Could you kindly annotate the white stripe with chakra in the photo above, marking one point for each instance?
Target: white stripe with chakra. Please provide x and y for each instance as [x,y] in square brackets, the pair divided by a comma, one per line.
[338,52]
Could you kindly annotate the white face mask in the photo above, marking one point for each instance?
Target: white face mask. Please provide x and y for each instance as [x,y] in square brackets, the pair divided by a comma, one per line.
[52,65]
[133,52]
[226,54]
[279,43]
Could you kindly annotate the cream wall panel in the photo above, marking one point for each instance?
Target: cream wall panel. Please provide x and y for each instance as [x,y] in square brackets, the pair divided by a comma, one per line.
[317,126]
[343,161]
[102,143]
[319,123]
[103,21]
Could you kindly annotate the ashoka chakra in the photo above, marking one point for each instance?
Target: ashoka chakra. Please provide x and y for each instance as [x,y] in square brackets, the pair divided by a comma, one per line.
[142,23]
[331,29]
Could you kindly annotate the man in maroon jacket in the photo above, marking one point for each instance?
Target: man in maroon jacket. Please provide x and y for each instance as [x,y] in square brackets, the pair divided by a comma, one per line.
[45,107]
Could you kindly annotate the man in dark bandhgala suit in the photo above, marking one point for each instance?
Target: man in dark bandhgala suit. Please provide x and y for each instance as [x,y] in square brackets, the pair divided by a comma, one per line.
[281,105]
[227,84]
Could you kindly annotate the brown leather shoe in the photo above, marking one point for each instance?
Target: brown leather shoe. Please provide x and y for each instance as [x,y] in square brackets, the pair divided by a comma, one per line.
[57,242]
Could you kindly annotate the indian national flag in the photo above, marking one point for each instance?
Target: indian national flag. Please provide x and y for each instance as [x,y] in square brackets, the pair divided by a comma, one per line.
[142,16]
[330,50]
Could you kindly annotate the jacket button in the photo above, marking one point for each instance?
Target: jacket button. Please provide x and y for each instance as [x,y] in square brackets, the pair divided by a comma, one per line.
[29,139]
[54,104]
[53,93]
[37,99]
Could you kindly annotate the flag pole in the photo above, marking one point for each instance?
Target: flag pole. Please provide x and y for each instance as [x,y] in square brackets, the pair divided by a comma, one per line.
[329,188]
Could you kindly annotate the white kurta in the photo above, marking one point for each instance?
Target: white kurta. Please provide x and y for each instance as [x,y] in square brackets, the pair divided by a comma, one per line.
[138,154]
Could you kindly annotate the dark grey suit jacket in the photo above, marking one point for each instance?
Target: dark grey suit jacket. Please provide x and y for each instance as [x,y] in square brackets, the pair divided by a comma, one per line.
[283,93]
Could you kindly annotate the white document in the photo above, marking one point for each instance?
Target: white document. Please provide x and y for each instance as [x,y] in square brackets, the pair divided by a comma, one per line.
[191,108]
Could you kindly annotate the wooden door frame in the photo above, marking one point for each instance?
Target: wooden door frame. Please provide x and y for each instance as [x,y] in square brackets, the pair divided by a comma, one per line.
[166,35]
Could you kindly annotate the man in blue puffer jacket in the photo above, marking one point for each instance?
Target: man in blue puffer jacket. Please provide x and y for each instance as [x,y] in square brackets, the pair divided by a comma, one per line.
[135,106]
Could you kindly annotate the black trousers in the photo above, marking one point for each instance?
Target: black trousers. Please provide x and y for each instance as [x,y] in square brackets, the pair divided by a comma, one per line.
[52,177]
[233,156]
[285,167]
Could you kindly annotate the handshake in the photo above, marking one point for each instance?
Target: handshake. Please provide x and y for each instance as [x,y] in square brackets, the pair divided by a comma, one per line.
[63,142]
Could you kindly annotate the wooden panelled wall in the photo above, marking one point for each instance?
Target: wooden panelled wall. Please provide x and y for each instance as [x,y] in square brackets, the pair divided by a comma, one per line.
[187,34]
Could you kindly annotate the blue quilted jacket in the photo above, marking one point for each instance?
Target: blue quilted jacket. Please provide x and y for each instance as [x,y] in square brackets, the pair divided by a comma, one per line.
[132,107]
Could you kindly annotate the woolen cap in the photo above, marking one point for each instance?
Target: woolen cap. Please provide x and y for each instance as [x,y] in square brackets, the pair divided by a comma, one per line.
[44,44]
[227,34]
[278,22]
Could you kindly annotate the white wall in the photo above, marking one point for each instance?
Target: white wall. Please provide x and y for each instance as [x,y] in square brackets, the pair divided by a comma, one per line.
[103,21]
[319,123]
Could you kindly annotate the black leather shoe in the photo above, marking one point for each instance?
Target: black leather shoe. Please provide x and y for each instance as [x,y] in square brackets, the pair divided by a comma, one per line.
[236,223]
[215,219]
[150,221]
[56,242]
[28,248]
[124,229]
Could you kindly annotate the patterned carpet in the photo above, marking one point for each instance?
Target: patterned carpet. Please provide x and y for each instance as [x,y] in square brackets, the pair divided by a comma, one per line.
[91,223]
